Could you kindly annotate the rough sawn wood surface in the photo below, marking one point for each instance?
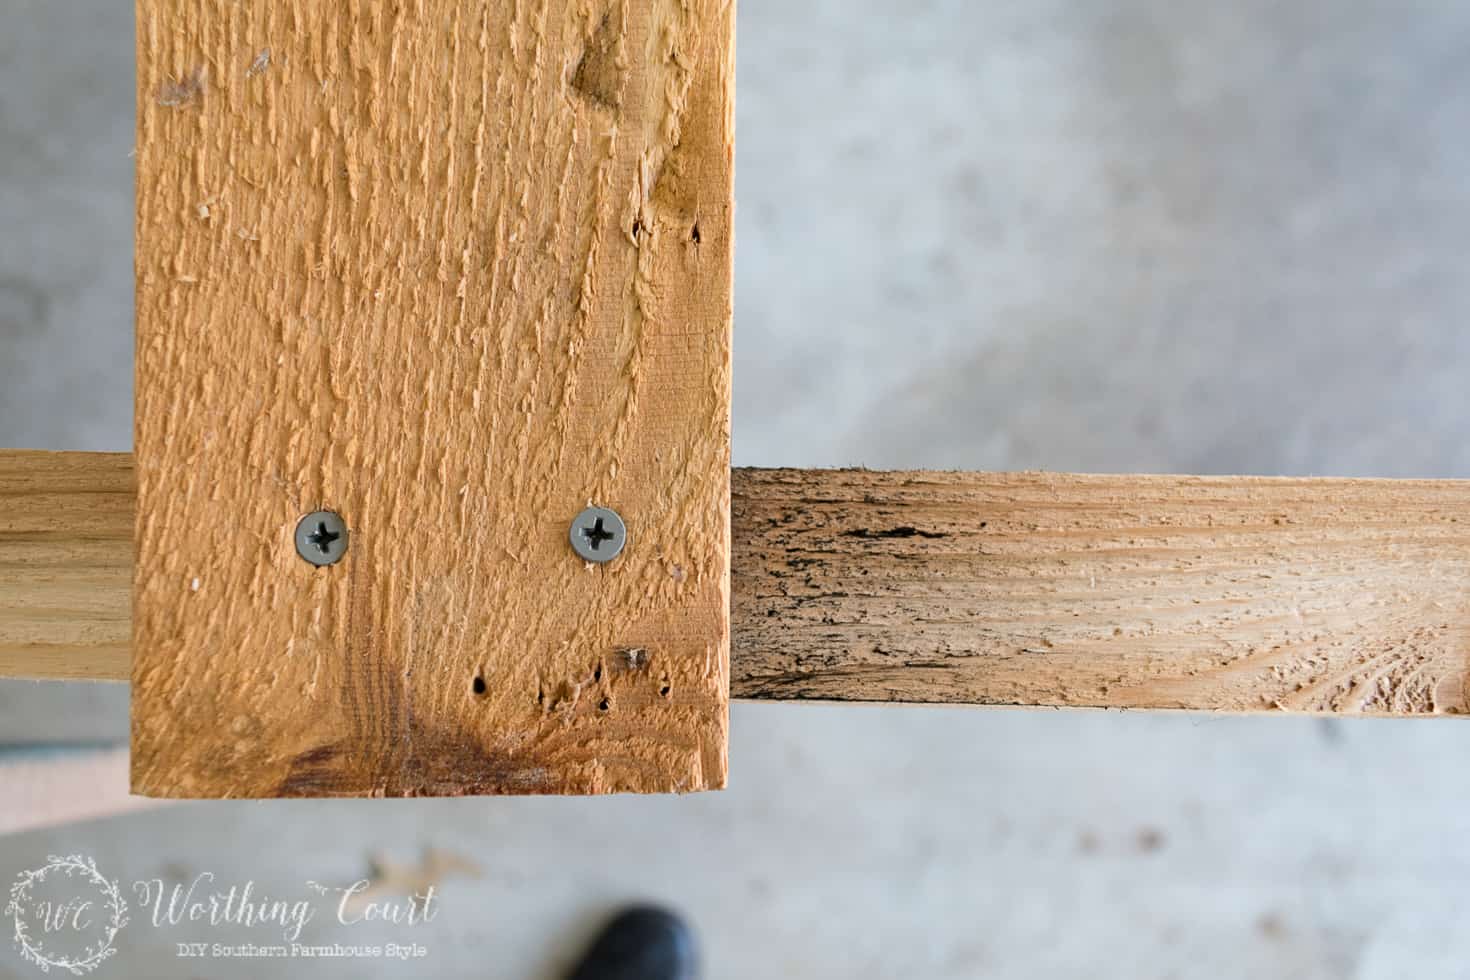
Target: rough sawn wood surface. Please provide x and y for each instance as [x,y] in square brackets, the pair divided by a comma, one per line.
[1028,589]
[455,270]
[1215,593]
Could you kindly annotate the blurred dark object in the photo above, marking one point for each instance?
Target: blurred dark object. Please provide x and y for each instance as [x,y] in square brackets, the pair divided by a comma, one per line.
[641,943]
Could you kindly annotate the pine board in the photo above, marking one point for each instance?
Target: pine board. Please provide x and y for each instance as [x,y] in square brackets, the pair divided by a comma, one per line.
[454,270]
[66,559]
[1208,593]
[1223,594]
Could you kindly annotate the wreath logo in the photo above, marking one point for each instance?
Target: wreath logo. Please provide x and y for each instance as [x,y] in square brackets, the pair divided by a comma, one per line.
[66,915]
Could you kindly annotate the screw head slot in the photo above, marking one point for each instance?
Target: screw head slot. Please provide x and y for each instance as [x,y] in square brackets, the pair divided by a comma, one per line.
[598,534]
[321,538]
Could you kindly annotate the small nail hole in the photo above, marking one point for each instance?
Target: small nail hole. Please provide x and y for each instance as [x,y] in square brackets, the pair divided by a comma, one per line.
[604,705]
[597,673]
[664,691]
[694,234]
[478,686]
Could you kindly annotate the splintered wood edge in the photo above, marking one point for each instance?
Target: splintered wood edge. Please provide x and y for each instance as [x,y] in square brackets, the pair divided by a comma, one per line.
[1031,589]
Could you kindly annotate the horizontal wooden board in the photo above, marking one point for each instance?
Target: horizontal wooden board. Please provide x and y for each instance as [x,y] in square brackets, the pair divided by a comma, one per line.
[1210,594]
[1221,594]
[66,564]
[455,270]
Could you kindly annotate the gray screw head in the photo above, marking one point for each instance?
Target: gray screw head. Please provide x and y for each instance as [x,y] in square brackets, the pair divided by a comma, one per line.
[598,534]
[321,538]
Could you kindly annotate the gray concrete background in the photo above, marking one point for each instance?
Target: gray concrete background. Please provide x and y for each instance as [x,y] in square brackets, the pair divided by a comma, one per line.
[1118,236]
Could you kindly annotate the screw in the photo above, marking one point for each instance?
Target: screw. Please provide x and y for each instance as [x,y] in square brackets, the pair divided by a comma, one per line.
[321,538]
[598,534]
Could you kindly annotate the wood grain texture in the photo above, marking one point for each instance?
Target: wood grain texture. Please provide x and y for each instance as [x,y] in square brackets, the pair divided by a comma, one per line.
[1210,594]
[454,269]
[1232,594]
[66,558]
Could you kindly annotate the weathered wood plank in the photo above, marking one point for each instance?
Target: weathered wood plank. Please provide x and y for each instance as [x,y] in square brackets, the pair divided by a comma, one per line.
[453,269]
[66,561]
[1220,594]
[1215,594]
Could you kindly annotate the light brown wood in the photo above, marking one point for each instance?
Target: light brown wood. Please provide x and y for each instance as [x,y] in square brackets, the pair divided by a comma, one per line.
[66,558]
[1222,594]
[453,269]
[1214,594]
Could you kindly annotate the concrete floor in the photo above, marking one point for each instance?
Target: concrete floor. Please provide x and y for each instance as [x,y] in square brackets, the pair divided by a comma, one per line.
[1122,236]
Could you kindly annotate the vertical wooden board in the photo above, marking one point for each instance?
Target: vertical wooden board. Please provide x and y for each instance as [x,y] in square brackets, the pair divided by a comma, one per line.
[455,270]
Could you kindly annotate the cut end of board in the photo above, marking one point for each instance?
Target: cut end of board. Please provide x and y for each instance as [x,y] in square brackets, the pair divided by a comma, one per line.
[452,272]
